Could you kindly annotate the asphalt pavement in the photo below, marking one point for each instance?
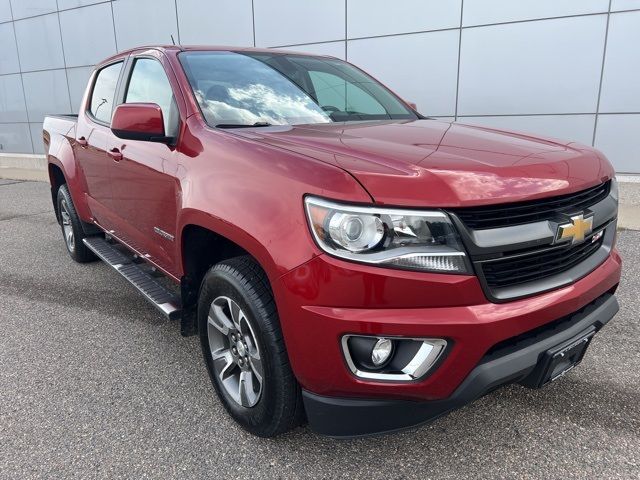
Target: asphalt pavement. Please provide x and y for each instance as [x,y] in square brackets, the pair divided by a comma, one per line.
[95,384]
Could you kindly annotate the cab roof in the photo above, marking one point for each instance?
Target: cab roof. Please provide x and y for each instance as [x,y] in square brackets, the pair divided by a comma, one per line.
[212,48]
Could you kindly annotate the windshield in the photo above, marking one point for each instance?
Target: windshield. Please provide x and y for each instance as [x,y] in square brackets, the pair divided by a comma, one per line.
[248,88]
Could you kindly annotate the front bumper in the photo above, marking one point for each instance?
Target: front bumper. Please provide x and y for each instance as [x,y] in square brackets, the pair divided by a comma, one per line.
[510,362]
[326,298]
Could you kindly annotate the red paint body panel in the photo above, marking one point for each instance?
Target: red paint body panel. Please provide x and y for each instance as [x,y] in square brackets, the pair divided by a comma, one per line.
[252,194]
[438,164]
[248,186]
[139,118]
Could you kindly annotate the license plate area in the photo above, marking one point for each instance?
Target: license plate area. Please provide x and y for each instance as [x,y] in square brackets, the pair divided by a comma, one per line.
[557,361]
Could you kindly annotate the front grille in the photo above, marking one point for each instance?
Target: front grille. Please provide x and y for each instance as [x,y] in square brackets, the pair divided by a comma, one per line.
[533,211]
[538,264]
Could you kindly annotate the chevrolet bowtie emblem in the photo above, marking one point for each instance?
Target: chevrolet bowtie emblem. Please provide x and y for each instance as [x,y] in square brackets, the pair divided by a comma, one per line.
[575,231]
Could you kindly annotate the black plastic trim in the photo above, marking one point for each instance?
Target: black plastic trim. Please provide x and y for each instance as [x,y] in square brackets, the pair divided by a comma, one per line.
[531,211]
[142,136]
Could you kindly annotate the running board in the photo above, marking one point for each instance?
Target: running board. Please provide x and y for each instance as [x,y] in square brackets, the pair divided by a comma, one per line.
[157,294]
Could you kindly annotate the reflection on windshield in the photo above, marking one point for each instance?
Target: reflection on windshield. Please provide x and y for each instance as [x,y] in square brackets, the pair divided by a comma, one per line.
[247,88]
[261,103]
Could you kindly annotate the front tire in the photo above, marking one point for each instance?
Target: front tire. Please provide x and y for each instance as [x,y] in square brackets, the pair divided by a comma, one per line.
[244,350]
[72,228]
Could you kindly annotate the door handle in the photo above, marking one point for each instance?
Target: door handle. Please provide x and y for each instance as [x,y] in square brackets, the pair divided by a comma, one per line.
[116,154]
[82,142]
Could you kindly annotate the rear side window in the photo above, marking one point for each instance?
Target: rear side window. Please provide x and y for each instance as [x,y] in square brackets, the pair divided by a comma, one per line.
[104,92]
[149,84]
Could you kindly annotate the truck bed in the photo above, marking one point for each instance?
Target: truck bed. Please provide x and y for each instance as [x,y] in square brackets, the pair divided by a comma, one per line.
[63,115]
[63,125]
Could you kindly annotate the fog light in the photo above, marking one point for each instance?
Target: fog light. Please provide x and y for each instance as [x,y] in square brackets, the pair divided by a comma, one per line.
[399,359]
[381,351]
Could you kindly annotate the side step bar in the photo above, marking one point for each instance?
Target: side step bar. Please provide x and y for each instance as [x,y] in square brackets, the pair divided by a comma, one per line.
[157,294]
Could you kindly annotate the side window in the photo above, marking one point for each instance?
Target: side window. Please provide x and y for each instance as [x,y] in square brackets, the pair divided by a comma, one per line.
[104,91]
[149,84]
[333,91]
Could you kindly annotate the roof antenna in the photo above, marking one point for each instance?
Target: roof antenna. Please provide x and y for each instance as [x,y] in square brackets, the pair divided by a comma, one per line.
[172,40]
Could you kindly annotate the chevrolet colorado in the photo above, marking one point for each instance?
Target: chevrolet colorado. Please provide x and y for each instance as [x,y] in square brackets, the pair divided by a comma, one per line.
[342,258]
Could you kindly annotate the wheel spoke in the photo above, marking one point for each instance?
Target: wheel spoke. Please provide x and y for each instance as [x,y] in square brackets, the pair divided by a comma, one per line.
[220,353]
[256,364]
[236,313]
[255,361]
[218,319]
[67,226]
[246,389]
[257,371]
[229,366]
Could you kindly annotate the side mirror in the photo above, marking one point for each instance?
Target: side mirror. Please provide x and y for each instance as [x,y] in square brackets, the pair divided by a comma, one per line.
[139,121]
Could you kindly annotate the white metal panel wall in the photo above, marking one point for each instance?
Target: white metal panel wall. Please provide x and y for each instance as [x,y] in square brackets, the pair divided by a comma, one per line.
[559,68]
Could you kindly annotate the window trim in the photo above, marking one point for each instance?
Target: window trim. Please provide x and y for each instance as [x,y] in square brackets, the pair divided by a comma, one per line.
[96,74]
[126,80]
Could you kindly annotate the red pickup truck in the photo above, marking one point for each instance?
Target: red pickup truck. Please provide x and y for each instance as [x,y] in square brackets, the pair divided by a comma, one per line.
[343,259]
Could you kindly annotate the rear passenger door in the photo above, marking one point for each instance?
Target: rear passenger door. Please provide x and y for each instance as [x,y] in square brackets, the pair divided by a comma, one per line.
[144,184]
[92,135]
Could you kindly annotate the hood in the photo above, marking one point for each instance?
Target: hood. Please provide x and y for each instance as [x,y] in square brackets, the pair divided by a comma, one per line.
[440,164]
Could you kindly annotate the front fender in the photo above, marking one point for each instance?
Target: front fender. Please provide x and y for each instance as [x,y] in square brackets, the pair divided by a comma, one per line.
[199,218]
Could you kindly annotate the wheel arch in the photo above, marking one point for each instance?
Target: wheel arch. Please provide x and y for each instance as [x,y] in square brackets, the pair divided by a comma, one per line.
[202,247]
[56,179]
[203,244]
[63,170]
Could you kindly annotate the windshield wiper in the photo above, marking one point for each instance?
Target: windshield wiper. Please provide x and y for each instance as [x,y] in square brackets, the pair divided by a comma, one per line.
[242,125]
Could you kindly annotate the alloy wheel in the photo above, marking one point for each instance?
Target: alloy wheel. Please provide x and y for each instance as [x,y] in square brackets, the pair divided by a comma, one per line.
[235,353]
[67,228]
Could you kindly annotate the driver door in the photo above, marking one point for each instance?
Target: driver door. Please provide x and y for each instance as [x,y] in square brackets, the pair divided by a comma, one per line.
[146,192]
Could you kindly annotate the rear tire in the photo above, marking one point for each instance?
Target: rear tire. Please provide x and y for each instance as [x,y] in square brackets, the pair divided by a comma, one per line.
[239,326]
[71,225]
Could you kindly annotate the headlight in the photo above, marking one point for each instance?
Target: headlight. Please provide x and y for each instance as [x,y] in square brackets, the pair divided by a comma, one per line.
[414,240]
[614,192]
